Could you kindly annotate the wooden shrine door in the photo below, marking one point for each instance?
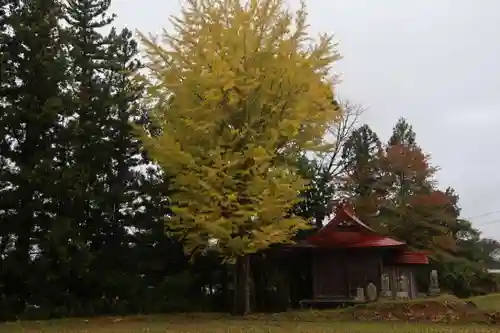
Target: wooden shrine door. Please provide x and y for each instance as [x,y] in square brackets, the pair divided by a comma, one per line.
[330,275]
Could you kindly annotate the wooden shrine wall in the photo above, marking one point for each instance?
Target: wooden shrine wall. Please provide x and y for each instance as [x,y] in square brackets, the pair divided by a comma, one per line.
[338,273]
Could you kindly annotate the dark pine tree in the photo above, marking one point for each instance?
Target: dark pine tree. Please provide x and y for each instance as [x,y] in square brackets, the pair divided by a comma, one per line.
[317,198]
[105,150]
[33,100]
[402,134]
[121,206]
[363,180]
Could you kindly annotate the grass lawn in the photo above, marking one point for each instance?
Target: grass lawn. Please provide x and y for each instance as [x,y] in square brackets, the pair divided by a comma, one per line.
[170,324]
[489,302]
[378,317]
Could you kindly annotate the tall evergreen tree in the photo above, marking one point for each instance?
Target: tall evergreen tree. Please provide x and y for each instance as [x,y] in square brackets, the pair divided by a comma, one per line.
[402,134]
[72,186]
[362,182]
[105,151]
[317,197]
[33,101]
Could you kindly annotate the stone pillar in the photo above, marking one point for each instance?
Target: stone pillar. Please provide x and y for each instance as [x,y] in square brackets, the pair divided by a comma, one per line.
[360,295]
[403,287]
[385,286]
[434,289]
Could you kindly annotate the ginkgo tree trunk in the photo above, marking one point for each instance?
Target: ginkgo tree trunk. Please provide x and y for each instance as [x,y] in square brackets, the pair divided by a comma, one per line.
[237,88]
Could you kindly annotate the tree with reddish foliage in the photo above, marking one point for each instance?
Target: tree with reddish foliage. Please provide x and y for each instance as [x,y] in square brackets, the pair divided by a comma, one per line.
[414,210]
[408,168]
[394,190]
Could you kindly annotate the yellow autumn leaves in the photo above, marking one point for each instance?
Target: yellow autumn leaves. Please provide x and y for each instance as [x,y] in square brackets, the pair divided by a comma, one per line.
[248,89]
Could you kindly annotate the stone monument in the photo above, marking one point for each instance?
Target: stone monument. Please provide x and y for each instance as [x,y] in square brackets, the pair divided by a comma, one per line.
[434,283]
[403,287]
[385,285]
[360,295]
[371,292]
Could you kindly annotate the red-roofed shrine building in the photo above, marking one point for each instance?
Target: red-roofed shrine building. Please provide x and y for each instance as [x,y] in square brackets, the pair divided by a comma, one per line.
[338,262]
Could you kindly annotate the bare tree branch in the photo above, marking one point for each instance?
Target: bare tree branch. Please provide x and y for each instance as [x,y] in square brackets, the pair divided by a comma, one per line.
[338,133]
[328,167]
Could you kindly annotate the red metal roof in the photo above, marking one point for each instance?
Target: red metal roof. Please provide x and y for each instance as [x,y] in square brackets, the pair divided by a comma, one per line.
[346,230]
[377,241]
[333,235]
[336,239]
[345,212]
[357,220]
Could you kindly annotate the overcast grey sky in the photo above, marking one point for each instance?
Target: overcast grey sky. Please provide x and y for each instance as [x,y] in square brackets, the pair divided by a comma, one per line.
[434,62]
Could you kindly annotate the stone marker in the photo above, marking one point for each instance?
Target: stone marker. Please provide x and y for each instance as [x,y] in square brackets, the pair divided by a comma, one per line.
[434,283]
[371,292]
[360,295]
[403,288]
[385,285]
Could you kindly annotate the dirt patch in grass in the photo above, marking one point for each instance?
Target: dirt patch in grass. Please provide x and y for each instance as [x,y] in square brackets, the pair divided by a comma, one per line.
[446,309]
[439,310]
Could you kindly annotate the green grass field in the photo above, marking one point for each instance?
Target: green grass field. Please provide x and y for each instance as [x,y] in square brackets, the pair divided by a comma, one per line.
[333,321]
[489,302]
[225,326]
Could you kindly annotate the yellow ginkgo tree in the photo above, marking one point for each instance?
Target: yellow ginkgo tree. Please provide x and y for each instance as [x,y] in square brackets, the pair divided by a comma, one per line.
[237,88]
